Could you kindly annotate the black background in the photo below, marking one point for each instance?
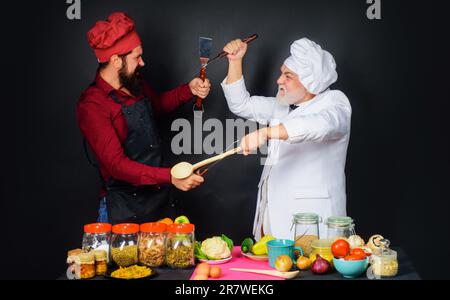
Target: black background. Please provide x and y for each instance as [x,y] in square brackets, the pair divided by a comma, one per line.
[394,71]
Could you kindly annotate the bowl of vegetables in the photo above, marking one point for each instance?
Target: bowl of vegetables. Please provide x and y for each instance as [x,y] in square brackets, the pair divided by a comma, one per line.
[350,263]
[351,268]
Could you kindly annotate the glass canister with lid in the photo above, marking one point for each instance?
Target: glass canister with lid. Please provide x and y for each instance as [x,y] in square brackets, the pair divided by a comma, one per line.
[152,248]
[340,227]
[383,261]
[97,236]
[306,230]
[124,244]
[180,246]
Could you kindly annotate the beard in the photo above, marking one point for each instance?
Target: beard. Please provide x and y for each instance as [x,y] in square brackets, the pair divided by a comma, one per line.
[289,98]
[131,81]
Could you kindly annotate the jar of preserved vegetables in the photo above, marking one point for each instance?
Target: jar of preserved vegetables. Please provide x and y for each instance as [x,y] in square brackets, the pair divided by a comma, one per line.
[180,246]
[124,244]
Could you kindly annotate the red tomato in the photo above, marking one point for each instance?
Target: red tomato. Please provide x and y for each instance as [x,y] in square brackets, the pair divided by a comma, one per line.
[340,248]
[352,257]
[358,252]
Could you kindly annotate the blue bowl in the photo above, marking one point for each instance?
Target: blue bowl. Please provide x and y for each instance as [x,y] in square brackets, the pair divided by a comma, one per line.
[350,268]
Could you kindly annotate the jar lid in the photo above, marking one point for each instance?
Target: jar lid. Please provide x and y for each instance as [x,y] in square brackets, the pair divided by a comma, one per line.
[340,221]
[384,249]
[153,227]
[306,218]
[74,252]
[125,228]
[85,258]
[181,228]
[97,228]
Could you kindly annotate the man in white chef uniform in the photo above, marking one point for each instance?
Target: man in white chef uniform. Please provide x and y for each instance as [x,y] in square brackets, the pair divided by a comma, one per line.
[308,130]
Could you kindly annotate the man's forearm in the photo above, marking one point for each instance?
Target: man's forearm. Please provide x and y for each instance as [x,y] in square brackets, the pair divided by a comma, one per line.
[277,133]
[234,71]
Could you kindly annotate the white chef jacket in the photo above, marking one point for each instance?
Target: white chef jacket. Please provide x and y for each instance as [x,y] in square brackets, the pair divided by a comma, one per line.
[307,170]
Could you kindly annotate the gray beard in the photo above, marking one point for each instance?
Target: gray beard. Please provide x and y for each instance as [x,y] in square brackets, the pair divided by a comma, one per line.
[288,98]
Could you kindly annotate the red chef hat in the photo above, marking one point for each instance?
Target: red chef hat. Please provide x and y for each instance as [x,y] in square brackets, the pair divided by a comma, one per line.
[117,35]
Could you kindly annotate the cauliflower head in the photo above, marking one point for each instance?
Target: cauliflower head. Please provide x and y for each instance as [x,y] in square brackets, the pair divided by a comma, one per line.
[215,248]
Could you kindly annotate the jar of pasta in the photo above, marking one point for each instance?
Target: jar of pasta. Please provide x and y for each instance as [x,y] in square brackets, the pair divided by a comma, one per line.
[180,246]
[383,261]
[152,248]
[306,231]
[124,244]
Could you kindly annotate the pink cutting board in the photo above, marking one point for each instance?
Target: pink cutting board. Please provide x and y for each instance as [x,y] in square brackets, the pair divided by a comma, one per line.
[240,261]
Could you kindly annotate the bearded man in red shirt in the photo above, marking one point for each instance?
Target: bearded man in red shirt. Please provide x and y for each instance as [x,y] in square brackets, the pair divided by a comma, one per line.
[116,115]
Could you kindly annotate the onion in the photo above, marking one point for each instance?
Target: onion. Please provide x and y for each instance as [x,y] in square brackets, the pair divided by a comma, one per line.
[355,241]
[283,263]
[320,265]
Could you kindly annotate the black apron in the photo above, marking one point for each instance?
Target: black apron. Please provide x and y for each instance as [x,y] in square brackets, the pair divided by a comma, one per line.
[129,203]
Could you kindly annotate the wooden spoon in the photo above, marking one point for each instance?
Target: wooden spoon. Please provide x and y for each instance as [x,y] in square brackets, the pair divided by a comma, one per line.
[184,169]
[286,275]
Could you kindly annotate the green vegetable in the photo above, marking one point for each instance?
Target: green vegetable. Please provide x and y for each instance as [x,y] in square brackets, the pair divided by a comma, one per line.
[198,251]
[247,245]
[228,241]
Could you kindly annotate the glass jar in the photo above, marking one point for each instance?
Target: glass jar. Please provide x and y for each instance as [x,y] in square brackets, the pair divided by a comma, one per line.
[180,246]
[101,263]
[97,236]
[322,248]
[306,230]
[383,261]
[152,248]
[85,266]
[340,227]
[124,244]
[72,257]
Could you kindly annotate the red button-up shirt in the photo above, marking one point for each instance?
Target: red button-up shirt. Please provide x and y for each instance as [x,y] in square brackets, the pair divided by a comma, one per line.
[102,123]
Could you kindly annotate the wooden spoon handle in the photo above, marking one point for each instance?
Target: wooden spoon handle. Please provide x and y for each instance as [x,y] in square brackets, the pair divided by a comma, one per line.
[264,272]
[215,158]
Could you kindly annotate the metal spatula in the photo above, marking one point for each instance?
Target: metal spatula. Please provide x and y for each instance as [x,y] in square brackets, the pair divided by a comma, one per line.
[205,45]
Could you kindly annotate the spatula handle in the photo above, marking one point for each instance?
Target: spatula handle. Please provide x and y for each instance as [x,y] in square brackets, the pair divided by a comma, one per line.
[247,40]
[198,102]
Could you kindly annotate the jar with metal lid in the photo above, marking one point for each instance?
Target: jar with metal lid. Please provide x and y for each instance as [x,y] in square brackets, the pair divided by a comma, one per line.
[85,266]
[101,262]
[383,261]
[97,236]
[124,244]
[306,230]
[340,227]
[180,246]
[152,248]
